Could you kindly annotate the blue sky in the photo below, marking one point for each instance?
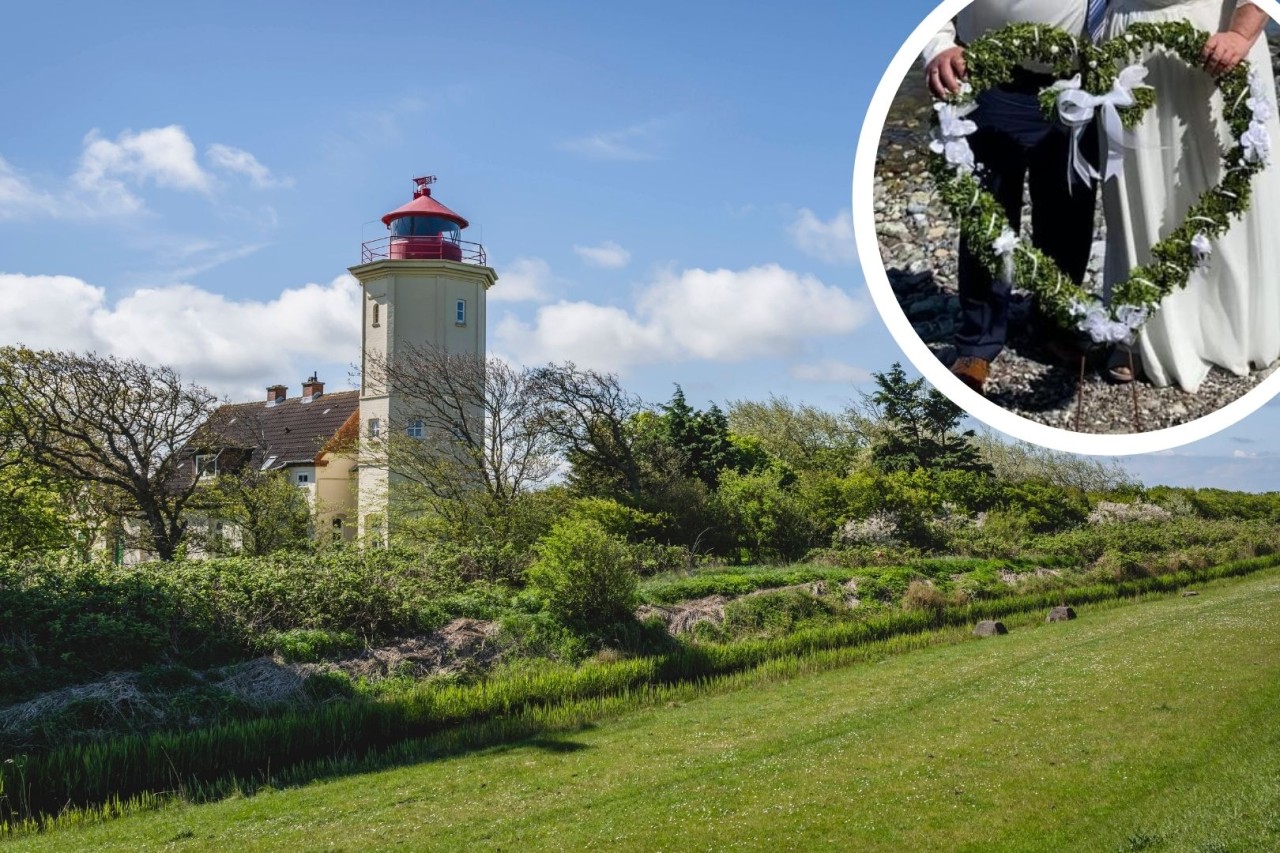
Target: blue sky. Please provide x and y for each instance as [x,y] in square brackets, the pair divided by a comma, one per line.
[663,188]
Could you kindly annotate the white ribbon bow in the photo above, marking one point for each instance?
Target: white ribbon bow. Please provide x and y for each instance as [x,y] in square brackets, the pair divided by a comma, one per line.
[949,137]
[1076,107]
[1003,246]
[1101,329]
[1201,249]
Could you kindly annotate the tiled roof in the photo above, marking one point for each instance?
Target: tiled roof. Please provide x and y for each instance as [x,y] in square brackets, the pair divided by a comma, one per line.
[290,432]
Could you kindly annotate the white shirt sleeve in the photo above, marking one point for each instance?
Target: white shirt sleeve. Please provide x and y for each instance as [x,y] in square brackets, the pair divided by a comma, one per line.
[944,40]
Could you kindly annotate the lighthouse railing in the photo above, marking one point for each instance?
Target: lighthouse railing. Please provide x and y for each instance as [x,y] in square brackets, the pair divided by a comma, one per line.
[422,248]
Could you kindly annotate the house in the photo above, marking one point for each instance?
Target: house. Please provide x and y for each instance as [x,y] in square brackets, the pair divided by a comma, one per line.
[312,439]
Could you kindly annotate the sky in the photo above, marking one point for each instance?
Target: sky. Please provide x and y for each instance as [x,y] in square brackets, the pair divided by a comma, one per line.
[663,189]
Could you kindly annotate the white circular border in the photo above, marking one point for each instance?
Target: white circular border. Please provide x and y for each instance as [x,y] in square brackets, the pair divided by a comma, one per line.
[873,270]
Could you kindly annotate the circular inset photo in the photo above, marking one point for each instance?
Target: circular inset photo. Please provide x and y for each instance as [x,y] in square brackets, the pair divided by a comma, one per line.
[1068,213]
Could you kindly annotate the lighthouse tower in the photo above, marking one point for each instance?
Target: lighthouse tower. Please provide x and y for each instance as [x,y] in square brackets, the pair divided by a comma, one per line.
[422,285]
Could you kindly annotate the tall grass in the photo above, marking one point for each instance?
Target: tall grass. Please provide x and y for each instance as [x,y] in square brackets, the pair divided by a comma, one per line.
[106,774]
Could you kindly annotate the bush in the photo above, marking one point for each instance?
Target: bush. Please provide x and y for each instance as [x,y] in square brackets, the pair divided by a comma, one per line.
[312,644]
[922,595]
[585,576]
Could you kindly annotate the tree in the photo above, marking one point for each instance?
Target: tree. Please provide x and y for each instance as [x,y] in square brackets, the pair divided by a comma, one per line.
[592,419]
[805,437]
[109,421]
[483,442]
[919,427]
[701,439]
[269,512]
[1017,462]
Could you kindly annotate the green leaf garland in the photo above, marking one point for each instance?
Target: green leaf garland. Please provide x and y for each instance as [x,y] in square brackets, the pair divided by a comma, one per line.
[991,61]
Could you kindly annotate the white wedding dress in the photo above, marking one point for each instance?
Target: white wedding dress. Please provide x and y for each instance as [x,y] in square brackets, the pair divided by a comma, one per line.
[1229,313]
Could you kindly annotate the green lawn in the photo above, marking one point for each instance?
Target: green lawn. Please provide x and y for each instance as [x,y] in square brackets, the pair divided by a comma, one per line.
[1150,726]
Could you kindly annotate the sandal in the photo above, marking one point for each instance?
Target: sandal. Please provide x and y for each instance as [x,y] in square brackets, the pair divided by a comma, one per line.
[1119,366]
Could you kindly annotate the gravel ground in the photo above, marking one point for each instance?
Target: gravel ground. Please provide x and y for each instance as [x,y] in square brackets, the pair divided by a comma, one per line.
[918,241]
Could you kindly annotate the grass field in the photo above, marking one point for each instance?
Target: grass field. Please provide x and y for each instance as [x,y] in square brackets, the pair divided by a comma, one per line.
[1148,726]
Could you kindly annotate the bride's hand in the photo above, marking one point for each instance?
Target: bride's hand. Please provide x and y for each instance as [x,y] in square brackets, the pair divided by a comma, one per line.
[1224,51]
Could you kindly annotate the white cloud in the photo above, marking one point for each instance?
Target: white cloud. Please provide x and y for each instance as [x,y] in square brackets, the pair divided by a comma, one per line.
[830,370]
[608,255]
[19,198]
[831,241]
[162,155]
[638,142]
[109,172]
[524,280]
[233,346]
[718,315]
[238,160]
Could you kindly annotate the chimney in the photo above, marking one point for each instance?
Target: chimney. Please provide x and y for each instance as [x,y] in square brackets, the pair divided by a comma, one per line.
[311,389]
[275,394]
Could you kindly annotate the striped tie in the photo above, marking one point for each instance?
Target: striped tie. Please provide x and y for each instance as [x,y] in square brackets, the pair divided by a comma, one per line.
[1097,17]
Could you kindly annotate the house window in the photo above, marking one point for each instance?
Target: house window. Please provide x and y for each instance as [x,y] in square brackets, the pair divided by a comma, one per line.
[376,307]
[414,429]
[206,465]
[304,478]
[375,427]
[460,312]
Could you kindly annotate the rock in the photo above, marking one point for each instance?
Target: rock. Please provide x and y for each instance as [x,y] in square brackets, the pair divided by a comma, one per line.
[893,229]
[1061,614]
[1189,593]
[926,308]
[989,628]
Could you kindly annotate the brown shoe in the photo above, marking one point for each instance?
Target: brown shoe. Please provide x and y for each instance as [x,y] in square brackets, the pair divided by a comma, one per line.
[972,371]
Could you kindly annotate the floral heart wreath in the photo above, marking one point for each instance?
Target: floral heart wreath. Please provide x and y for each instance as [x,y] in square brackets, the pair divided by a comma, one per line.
[1122,98]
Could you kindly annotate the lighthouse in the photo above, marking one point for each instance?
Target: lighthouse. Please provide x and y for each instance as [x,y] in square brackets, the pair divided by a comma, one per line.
[421,285]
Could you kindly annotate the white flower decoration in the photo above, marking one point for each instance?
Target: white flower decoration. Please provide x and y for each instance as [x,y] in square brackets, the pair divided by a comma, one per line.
[1201,248]
[950,136]
[1005,243]
[1256,142]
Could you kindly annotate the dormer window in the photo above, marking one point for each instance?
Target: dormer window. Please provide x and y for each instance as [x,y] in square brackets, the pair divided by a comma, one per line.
[206,465]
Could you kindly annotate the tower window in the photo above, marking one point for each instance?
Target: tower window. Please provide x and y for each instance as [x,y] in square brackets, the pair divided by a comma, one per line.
[414,429]
[375,427]
[460,312]
[376,306]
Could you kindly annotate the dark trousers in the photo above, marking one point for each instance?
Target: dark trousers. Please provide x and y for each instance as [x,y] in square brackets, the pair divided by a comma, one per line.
[1016,143]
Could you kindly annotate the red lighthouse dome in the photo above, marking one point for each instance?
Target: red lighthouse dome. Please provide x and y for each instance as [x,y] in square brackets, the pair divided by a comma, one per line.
[424,229]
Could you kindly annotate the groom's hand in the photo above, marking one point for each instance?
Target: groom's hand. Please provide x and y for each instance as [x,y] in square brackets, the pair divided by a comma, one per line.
[1224,51]
[945,72]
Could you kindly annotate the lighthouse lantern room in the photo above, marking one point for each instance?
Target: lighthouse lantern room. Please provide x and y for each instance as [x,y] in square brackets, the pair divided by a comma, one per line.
[424,229]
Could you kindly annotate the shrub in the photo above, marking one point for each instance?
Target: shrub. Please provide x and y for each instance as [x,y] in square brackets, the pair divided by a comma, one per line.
[312,644]
[773,613]
[585,576]
[922,595]
[879,528]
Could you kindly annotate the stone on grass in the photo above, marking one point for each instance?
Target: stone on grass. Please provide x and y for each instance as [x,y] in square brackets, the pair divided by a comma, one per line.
[989,628]
[1188,593]
[1061,614]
